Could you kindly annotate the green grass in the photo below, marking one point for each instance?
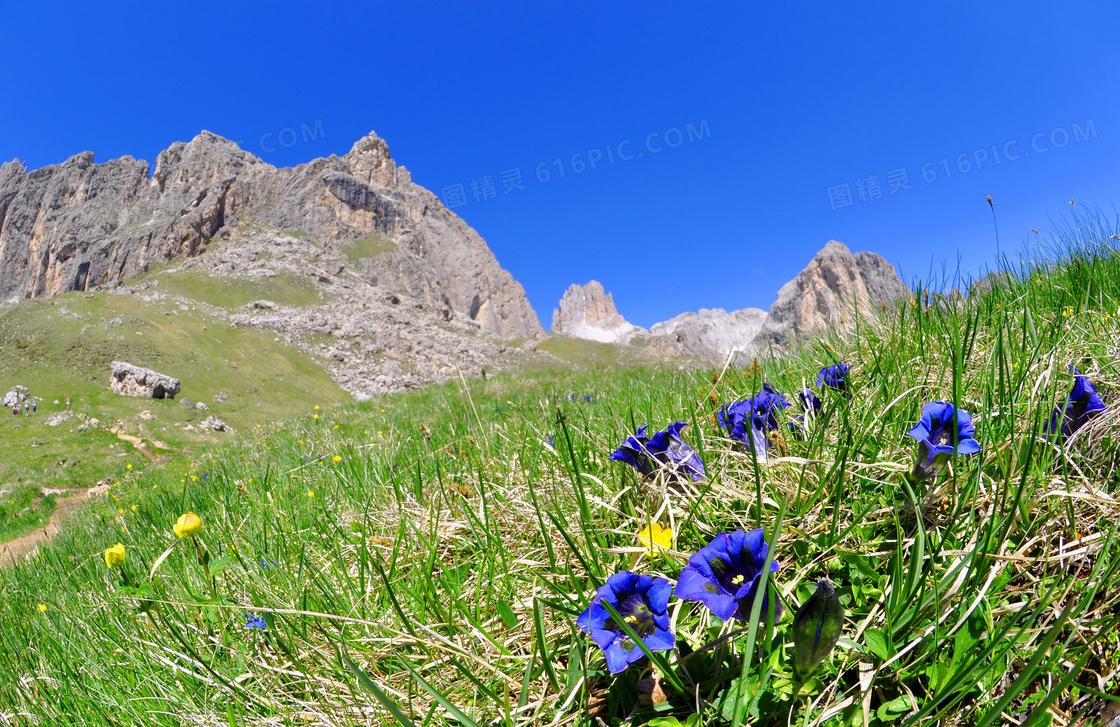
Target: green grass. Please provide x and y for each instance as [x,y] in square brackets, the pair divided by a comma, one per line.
[424,557]
[580,353]
[225,292]
[23,509]
[367,247]
[64,346]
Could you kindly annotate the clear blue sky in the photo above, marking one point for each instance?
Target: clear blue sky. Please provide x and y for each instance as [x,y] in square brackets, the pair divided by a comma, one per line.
[785,103]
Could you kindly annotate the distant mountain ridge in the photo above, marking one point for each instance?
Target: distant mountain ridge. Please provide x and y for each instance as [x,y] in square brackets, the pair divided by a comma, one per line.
[835,281]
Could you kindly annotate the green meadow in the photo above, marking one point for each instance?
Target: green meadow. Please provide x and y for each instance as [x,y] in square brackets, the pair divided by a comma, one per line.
[423,558]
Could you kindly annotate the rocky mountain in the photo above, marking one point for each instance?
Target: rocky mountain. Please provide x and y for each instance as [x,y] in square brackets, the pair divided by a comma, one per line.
[711,333]
[80,225]
[835,283]
[588,312]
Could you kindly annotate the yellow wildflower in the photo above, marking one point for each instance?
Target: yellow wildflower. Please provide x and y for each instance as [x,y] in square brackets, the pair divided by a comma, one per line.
[187,525]
[311,493]
[114,556]
[656,539]
[337,459]
[42,608]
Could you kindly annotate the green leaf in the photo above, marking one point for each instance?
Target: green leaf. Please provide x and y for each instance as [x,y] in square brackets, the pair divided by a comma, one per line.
[895,708]
[877,643]
[509,618]
[221,564]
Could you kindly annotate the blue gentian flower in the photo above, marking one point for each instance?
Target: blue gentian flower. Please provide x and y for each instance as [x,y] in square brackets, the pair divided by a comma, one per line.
[934,432]
[645,454]
[1082,403]
[753,418]
[588,398]
[835,377]
[254,622]
[810,402]
[643,602]
[724,575]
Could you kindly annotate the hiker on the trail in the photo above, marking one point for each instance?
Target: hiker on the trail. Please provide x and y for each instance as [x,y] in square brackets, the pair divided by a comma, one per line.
[68,403]
[34,406]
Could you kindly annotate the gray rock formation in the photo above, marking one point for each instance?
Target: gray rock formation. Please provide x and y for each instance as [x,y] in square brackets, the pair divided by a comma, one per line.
[587,311]
[835,283]
[17,396]
[76,225]
[214,424]
[711,333]
[835,286]
[881,278]
[989,282]
[129,380]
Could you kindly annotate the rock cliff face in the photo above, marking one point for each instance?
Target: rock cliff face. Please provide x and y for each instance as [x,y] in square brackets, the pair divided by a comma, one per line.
[710,334]
[835,283]
[77,225]
[587,311]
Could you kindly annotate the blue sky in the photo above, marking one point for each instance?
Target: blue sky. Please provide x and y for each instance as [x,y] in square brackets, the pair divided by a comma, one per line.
[784,104]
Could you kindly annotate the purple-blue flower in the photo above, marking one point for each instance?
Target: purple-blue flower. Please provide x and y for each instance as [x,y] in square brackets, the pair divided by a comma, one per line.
[663,448]
[643,602]
[835,377]
[934,432]
[753,417]
[810,402]
[254,622]
[1082,403]
[724,575]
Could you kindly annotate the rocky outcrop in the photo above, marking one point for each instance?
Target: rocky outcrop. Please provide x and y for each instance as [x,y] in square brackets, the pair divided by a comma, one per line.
[884,287]
[835,286]
[129,380]
[214,424]
[587,311]
[17,397]
[990,282]
[711,333]
[835,283]
[77,225]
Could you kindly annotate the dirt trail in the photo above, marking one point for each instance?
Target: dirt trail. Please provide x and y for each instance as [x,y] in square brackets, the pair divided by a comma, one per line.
[13,550]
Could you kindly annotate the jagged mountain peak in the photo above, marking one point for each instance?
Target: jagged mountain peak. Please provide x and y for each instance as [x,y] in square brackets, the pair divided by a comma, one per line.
[834,281]
[79,224]
[588,311]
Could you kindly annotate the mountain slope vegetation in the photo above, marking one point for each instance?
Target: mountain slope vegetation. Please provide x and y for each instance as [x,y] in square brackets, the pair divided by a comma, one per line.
[423,558]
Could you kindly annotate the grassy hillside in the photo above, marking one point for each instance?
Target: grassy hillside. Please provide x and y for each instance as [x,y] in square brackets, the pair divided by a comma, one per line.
[424,558]
[63,347]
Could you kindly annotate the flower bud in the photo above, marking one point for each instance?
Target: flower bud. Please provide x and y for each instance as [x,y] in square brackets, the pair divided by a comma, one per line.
[927,464]
[114,556]
[816,629]
[187,525]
